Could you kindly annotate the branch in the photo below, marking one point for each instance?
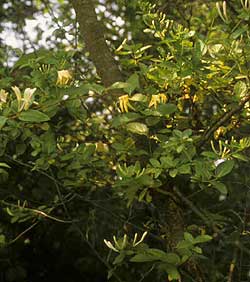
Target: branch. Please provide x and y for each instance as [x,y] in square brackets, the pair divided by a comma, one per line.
[223,120]
[92,32]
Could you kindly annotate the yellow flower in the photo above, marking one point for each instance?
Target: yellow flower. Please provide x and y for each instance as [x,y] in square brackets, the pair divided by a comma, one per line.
[27,97]
[124,103]
[63,77]
[219,132]
[157,99]
[25,101]
[18,96]
[3,96]
[163,98]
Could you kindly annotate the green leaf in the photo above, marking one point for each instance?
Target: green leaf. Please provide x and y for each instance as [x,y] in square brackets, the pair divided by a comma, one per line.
[173,172]
[202,239]
[156,253]
[184,244]
[239,31]
[166,109]
[142,195]
[137,127]
[224,168]
[188,237]
[119,85]
[33,116]
[155,163]
[221,187]
[240,88]
[119,259]
[27,59]
[240,157]
[2,121]
[2,239]
[197,52]
[98,88]
[125,118]
[172,258]
[173,273]
[87,151]
[143,258]
[151,121]
[184,169]
[151,112]
[171,270]
[138,98]
[4,165]
[197,249]
[133,83]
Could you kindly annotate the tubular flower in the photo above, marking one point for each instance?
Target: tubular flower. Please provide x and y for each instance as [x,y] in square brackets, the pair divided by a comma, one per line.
[18,96]
[124,103]
[110,245]
[25,101]
[63,77]
[157,99]
[135,242]
[118,246]
[3,96]
[27,97]
[122,243]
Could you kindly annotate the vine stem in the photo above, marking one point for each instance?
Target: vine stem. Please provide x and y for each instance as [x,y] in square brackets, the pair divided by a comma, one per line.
[223,119]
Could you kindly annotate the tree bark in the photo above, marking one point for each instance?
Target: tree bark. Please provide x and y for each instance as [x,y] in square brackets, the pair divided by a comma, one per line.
[92,32]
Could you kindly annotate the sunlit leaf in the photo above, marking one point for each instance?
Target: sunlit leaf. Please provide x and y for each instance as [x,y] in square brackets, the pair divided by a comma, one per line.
[137,127]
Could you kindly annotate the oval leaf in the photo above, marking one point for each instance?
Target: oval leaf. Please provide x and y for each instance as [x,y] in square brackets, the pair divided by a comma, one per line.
[166,109]
[4,165]
[138,97]
[202,239]
[2,121]
[143,258]
[240,88]
[221,187]
[172,258]
[33,116]
[137,127]
[224,168]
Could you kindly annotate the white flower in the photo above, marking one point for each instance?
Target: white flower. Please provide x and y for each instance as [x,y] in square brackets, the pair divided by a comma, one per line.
[28,97]
[25,101]
[121,245]
[140,241]
[109,245]
[219,161]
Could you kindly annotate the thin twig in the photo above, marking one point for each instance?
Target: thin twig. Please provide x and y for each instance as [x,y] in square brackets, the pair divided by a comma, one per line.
[24,232]
[223,120]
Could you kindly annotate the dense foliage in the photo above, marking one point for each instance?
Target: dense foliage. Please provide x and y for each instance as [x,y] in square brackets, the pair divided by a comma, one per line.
[142,180]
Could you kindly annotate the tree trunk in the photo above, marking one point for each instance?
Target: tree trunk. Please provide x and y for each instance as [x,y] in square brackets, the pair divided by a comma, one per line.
[92,32]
